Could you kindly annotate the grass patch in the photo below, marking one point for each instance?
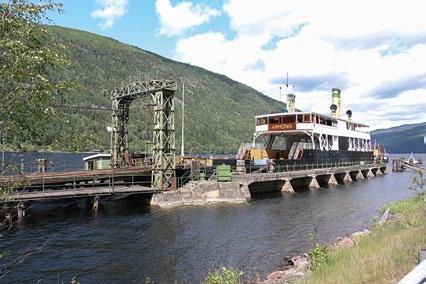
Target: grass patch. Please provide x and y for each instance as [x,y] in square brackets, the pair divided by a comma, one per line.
[385,256]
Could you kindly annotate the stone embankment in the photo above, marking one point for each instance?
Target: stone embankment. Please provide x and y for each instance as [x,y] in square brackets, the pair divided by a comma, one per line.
[202,192]
[298,266]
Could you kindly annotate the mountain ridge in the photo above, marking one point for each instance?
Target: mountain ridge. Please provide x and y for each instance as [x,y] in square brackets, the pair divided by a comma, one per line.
[401,139]
[219,111]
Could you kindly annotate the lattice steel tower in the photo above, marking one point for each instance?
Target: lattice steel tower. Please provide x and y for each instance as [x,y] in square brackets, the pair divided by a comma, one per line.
[161,93]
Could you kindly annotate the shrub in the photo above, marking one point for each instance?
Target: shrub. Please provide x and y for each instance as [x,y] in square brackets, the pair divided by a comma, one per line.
[318,256]
[224,275]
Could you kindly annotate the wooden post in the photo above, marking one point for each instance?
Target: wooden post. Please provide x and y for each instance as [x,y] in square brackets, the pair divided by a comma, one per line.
[21,211]
[95,205]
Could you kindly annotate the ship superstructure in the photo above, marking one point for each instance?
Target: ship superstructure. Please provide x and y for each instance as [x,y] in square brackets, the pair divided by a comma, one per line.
[309,136]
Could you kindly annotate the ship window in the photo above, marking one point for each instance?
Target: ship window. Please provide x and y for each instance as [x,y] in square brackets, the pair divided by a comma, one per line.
[289,119]
[299,118]
[306,118]
[274,120]
[261,121]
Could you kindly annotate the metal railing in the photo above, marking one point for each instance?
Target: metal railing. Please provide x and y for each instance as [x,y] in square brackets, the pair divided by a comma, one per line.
[312,166]
[187,176]
[77,183]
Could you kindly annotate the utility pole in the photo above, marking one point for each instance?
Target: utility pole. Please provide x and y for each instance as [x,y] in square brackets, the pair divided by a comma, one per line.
[2,153]
[182,149]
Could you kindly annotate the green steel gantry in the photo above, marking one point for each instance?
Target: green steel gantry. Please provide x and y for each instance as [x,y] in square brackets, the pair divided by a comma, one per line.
[161,93]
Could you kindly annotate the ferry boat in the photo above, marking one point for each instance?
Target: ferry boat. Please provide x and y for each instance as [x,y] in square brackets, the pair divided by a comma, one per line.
[297,137]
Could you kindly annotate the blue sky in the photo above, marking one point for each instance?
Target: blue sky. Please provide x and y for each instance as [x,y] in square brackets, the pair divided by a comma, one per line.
[139,26]
[375,51]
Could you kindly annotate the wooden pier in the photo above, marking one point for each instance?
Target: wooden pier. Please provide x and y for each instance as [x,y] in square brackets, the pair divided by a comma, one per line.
[51,194]
[91,185]
[74,178]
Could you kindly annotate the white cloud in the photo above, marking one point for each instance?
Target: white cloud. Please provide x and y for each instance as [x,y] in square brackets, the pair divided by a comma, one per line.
[364,44]
[181,17]
[109,11]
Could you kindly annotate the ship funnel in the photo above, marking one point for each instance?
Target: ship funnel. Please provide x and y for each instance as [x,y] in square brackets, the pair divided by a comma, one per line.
[333,109]
[291,99]
[349,114]
[335,100]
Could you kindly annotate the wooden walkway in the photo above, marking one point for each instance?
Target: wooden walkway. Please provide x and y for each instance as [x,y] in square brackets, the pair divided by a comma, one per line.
[75,176]
[416,168]
[21,196]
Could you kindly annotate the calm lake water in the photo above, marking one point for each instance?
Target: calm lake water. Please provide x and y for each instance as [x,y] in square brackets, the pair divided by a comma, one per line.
[127,241]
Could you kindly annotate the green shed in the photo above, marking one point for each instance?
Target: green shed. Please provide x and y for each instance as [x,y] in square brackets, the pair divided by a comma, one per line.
[97,162]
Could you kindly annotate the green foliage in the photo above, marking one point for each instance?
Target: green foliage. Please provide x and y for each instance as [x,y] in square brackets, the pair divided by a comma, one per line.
[29,59]
[418,185]
[405,206]
[219,112]
[318,256]
[409,221]
[408,210]
[224,275]
[374,222]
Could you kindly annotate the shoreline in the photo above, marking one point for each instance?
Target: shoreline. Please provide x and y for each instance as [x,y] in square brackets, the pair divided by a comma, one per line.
[401,222]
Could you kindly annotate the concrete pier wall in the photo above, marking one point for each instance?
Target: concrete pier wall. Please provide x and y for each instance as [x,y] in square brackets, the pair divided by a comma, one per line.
[242,186]
[202,192]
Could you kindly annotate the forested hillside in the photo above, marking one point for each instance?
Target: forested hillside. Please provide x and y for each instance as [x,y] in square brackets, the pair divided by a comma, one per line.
[218,111]
[402,139]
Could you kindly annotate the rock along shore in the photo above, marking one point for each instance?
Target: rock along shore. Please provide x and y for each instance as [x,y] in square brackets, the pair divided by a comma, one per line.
[298,266]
